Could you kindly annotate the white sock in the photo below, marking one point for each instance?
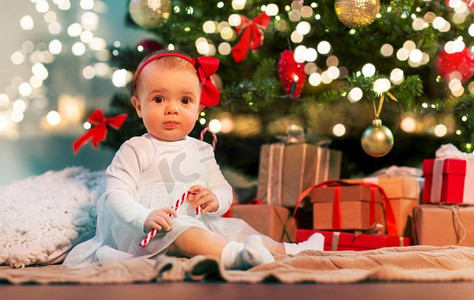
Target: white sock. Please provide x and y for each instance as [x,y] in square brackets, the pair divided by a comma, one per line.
[246,255]
[314,242]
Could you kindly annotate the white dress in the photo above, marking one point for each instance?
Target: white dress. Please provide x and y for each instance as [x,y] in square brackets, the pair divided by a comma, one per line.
[147,174]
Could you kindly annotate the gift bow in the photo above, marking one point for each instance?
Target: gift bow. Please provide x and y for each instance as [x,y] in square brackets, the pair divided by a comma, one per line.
[98,132]
[252,35]
[450,151]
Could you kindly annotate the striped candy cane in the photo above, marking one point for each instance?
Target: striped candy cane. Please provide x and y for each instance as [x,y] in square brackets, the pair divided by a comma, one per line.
[152,233]
[214,137]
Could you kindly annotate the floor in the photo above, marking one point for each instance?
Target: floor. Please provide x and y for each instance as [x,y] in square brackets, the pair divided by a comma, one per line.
[230,291]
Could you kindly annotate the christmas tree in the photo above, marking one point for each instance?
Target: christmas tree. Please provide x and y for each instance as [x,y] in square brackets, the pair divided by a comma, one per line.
[325,68]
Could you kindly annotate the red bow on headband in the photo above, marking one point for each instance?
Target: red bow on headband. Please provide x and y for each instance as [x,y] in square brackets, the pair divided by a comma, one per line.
[252,36]
[98,133]
[205,67]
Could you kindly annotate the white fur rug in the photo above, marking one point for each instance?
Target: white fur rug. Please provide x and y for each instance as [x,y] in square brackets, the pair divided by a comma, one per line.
[42,217]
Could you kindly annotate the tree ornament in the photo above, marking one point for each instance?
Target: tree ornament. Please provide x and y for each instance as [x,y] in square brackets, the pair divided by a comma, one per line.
[357,13]
[149,14]
[291,74]
[458,65]
[252,35]
[150,45]
[377,139]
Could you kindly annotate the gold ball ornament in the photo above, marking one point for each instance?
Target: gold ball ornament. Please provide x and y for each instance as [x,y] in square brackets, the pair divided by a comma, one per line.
[149,14]
[377,139]
[357,13]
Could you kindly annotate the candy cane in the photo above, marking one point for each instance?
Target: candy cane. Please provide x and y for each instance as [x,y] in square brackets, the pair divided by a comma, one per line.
[214,137]
[152,233]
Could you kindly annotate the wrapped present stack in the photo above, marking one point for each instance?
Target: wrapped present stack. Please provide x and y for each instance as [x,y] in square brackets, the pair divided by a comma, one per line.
[446,216]
[286,169]
[352,216]
[396,206]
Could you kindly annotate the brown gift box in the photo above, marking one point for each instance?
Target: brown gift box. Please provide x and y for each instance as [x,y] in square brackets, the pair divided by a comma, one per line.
[270,220]
[441,225]
[354,208]
[286,170]
[403,192]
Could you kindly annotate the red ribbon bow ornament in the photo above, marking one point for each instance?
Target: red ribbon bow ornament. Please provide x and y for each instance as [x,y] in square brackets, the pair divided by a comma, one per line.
[252,35]
[98,132]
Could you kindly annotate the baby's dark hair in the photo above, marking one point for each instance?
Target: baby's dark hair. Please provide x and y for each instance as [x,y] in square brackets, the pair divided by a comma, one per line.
[169,62]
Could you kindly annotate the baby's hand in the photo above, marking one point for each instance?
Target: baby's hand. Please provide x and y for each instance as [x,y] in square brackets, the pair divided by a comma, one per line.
[160,218]
[201,196]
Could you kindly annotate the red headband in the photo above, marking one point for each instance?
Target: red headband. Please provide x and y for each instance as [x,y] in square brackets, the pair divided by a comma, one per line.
[205,67]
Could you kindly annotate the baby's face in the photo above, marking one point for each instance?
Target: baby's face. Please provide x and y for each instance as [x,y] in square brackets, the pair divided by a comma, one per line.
[168,101]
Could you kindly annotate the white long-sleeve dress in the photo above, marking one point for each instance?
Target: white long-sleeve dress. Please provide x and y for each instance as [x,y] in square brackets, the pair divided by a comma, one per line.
[147,174]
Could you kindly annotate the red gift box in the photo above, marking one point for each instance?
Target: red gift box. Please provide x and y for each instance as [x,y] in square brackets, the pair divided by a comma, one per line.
[338,241]
[448,181]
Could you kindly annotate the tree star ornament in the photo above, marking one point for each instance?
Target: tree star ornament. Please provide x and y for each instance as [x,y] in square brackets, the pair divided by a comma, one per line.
[291,74]
[377,139]
[357,13]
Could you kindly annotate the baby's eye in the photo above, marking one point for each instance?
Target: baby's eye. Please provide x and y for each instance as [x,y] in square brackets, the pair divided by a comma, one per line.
[185,100]
[158,99]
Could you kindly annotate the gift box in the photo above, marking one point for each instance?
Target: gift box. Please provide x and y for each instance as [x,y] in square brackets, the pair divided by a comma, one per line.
[347,207]
[338,241]
[403,192]
[270,220]
[440,225]
[286,170]
[448,181]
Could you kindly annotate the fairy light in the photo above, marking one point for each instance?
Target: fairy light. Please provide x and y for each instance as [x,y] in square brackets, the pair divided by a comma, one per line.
[215,126]
[368,70]
[17,58]
[408,124]
[53,118]
[324,47]
[381,85]
[119,78]
[271,9]
[78,49]
[55,46]
[303,28]
[440,130]
[224,48]
[27,23]
[339,130]
[355,94]
[314,79]
[397,76]
[386,50]
[74,30]
[238,4]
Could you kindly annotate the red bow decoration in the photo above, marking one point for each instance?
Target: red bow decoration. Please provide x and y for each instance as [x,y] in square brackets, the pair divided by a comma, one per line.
[98,133]
[205,67]
[251,37]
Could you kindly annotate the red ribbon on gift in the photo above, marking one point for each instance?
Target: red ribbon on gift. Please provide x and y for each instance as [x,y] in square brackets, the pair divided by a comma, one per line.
[98,132]
[252,35]
[336,218]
